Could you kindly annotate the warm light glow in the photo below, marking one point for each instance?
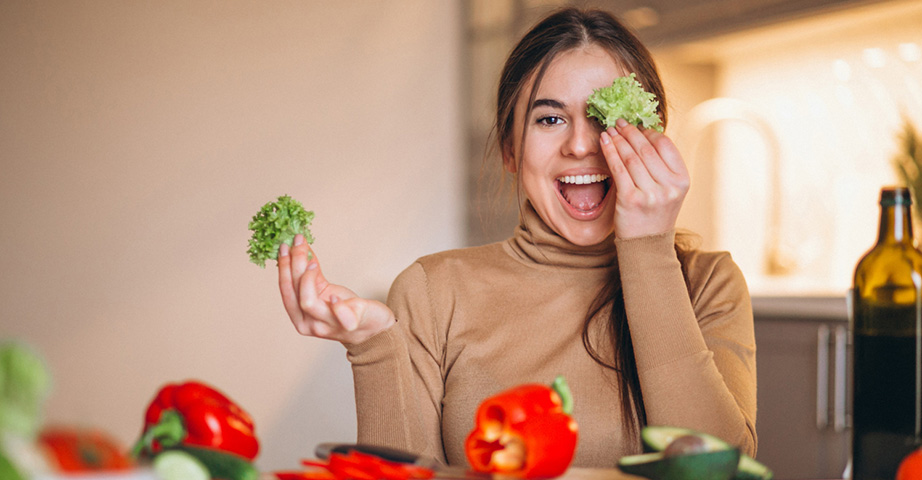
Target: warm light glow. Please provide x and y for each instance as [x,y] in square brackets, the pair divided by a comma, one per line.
[799,215]
[841,70]
[844,96]
[909,52]
[874,57]
[641,17]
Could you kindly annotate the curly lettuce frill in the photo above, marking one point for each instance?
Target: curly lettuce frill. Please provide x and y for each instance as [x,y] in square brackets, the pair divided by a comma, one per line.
[276,223]
[626,99]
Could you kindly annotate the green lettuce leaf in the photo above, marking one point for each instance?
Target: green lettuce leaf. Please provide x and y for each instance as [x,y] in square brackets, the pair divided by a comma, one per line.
[24,384]
[276,223]
[626,99]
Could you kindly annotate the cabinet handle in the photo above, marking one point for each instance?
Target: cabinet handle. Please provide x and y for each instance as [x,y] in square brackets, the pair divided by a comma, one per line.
[841,344]
[822,377]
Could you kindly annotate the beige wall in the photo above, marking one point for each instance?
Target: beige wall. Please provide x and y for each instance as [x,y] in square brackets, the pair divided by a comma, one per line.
[136,141]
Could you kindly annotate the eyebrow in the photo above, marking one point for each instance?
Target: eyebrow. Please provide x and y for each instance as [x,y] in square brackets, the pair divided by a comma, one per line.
[547,102]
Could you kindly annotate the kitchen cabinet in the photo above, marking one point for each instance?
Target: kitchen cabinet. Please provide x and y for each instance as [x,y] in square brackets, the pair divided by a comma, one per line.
[803,368]
[677,21]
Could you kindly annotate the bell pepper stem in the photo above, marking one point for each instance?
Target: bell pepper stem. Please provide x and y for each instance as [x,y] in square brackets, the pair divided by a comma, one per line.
[563,390]
[168,431]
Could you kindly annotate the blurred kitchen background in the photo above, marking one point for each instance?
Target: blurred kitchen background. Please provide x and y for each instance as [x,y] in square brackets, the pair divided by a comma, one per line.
[138,138]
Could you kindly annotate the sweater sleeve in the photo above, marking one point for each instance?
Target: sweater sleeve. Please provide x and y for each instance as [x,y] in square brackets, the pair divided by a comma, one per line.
[397,374]
[694,345]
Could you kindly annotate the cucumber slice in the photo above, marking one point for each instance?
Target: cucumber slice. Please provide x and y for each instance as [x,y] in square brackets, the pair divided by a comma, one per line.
[179,465]
[750,469]
[222,465]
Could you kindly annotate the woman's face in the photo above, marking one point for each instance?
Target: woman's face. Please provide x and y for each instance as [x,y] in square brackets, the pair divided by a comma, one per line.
[562,170]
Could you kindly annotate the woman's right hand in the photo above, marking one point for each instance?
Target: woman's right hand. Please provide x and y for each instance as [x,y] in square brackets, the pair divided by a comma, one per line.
[321,309]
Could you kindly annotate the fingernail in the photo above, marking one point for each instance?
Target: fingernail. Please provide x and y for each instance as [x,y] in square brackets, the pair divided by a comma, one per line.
[606,138]
[283,250]
[621,123]
[312,266]
[299,239]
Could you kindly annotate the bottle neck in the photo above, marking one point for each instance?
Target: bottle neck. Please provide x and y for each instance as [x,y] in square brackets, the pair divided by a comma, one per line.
[895,224]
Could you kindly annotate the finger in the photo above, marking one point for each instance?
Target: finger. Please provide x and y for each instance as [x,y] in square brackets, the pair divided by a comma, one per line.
[344,313]
[621,178]
[289,297]
[640,157]
[647,152]
[633,164]
[319,329]
[668,152]
[311,303]
[308,295]
[299,254]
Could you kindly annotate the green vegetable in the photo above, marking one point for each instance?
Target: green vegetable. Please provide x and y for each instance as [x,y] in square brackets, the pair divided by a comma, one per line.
[626,99]
[718,465]
[24,384]
[276,223]
[179,465]
[220,464]
[659,438]
[8,471]
[750,469]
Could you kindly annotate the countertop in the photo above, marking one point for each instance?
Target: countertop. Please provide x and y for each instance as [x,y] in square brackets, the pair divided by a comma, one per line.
[823,308]
[571,474]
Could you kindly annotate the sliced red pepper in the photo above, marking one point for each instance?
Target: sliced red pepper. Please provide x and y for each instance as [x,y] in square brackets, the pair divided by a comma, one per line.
[193,413]
[526,431]
[304,475]
[361,466]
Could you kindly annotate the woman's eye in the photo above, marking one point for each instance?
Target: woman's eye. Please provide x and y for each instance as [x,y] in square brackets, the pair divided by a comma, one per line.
[550,120]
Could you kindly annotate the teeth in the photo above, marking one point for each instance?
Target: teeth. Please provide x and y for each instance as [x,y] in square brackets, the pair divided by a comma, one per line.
[582,179]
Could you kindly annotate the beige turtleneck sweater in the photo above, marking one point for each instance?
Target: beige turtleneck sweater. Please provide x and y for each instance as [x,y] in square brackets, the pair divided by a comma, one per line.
[475,321]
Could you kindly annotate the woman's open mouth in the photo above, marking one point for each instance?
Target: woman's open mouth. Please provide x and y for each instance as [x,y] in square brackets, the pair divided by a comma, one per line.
[584,193]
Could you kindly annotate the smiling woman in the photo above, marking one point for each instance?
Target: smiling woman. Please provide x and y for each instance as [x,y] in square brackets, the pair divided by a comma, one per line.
[594,284]
[559,141]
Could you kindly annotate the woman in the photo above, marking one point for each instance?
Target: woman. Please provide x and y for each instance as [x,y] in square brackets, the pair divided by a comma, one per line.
[592,285]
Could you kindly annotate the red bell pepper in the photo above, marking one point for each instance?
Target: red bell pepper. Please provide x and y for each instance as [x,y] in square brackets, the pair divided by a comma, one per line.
[196,414]
[526,431]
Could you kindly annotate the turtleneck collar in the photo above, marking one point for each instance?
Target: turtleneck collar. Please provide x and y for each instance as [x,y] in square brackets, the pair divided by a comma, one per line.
[535,242]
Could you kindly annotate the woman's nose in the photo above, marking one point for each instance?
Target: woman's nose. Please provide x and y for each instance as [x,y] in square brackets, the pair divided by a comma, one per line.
[583,138]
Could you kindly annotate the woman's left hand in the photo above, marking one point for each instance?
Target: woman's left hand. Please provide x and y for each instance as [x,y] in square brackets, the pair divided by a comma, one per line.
[649,177]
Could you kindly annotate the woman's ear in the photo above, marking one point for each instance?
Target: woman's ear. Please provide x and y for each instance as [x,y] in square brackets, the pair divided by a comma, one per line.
[509,158]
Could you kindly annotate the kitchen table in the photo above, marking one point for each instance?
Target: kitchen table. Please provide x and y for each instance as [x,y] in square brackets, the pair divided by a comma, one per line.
[572,474]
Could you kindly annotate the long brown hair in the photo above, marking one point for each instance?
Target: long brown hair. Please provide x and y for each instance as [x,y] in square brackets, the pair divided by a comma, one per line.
[559,32]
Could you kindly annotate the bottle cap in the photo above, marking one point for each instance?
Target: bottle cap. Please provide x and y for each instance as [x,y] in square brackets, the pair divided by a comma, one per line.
[890,196]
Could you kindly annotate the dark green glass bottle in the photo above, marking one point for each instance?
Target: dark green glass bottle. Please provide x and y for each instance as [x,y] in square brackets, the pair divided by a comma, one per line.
[887,329]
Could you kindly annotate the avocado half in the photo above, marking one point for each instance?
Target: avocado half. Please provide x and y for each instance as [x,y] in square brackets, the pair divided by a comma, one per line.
[656,439]
[717,465]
